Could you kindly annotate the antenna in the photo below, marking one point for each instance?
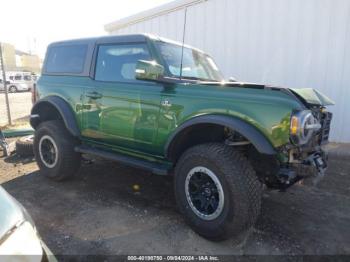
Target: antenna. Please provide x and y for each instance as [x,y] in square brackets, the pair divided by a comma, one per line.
[183,43]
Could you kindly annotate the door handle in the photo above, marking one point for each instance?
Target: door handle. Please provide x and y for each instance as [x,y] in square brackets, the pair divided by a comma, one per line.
[166,103]
[93,95]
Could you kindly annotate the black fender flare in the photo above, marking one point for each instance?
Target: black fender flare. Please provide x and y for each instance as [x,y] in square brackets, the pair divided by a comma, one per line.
[256,137]
[63,108]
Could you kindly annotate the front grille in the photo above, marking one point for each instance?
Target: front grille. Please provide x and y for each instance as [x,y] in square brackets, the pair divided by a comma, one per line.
[326,127]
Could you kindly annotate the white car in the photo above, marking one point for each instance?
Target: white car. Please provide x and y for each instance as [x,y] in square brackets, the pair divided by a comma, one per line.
[18,235]
[17,87]
[14,87]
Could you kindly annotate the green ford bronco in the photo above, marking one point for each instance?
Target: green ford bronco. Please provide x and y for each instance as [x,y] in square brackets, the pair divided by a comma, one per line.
[155,104]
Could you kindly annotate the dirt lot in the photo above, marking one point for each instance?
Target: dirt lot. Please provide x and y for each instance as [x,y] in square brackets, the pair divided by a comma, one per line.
[99,213]
[20,106]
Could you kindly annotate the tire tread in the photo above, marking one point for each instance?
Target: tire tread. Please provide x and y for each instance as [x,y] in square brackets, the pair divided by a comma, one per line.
[70,160]
[241,179]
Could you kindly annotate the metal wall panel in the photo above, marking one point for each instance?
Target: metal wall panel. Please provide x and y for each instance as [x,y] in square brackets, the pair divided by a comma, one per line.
[293,43]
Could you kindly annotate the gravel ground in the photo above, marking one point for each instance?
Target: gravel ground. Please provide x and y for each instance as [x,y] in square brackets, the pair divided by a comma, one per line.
[98,212]
[20,106]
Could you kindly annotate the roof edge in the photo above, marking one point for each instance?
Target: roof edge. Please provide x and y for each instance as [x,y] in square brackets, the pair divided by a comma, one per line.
[151,13]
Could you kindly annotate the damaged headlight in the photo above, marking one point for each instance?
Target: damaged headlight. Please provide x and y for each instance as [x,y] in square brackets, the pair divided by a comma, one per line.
[302,126]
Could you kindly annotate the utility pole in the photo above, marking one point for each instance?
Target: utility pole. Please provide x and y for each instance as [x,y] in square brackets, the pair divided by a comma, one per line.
[5,86]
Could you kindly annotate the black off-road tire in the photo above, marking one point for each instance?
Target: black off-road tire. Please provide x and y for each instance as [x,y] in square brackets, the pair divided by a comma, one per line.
[241,188]
[24,146]
[68,161]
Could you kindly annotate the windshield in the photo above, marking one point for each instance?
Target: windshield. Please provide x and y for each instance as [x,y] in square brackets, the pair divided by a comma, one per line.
[196,65]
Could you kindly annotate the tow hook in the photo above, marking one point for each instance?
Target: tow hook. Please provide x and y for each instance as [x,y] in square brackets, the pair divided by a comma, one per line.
[319,162]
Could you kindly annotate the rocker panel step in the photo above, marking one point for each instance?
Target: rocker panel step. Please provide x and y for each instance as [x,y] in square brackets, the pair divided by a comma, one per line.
[129,161]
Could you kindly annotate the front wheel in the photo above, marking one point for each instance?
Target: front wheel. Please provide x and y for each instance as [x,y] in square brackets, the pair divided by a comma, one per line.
[54,151]
[12,89]
[217,191]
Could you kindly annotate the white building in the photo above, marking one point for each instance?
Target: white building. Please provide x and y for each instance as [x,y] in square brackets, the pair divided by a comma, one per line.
[292,43]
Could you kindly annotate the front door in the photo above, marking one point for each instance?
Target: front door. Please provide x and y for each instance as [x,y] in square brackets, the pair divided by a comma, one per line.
[128,109]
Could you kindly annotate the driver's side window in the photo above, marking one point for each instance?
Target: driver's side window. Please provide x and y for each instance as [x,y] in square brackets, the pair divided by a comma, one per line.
[117,63]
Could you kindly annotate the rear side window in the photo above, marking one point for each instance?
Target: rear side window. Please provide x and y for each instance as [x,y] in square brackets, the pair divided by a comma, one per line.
[27,78]
[118,62]
[66,59]
[18,77]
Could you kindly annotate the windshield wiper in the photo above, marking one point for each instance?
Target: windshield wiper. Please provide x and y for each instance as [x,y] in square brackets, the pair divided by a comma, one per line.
[197,78]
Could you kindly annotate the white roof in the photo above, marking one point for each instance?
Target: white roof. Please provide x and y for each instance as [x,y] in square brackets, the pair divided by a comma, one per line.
[151,13]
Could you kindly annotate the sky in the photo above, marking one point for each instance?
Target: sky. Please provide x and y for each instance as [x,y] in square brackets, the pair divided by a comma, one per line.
[31,25]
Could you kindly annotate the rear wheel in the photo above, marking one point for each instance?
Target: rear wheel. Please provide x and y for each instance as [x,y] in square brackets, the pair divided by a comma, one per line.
[54,151]
[217,191]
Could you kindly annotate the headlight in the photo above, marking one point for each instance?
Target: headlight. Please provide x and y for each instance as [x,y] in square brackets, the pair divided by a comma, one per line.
[302,126]
[23,241]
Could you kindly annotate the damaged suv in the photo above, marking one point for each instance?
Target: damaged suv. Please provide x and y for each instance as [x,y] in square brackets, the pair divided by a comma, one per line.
[158,105]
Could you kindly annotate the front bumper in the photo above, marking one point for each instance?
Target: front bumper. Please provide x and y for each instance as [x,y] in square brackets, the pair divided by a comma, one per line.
[312,167]
[306,161]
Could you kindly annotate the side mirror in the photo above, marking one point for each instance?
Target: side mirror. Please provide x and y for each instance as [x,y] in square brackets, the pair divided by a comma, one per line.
[149,70]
